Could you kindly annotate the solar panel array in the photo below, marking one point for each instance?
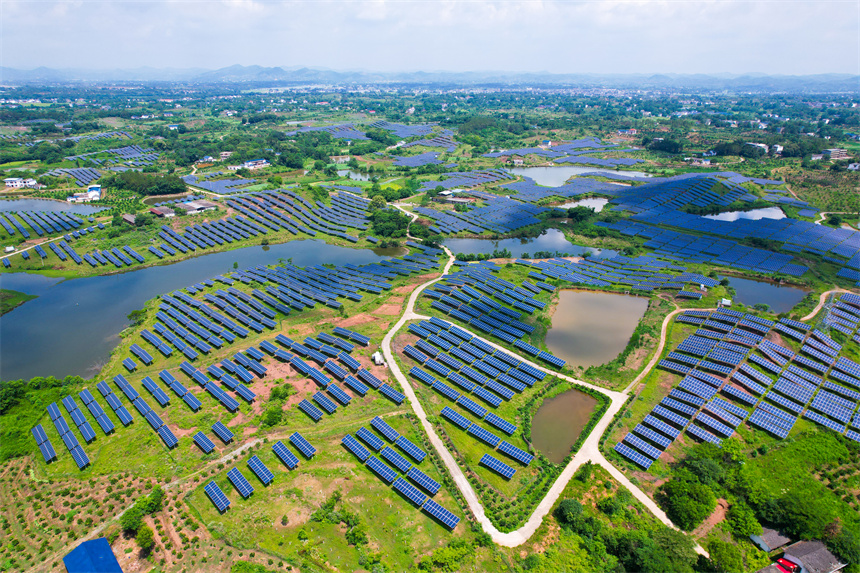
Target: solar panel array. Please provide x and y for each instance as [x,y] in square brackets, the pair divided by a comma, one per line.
[765,384]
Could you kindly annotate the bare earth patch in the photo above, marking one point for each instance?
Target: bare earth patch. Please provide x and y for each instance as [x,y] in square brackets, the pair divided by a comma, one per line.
[718,515]
[360,318]
[388,310]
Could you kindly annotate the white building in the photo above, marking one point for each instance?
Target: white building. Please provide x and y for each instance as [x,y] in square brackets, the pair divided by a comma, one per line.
[14,182]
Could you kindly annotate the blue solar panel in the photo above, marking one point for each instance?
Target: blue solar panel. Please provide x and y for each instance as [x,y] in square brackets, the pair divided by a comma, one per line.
[484,435]
[310,410]
[203,442]
[411,449]
[286,456]
[391,394]
[355,447]
[383,428]
[515,452]
[447,518]
[222,432]
[217,496]
[167,436]
[260,470]
[302,445]
[396,459]
[425,482]
[370,438]
[379,468]
[409,491]
[497,466]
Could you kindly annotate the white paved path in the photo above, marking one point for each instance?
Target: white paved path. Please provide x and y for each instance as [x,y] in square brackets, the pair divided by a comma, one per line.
[590,450]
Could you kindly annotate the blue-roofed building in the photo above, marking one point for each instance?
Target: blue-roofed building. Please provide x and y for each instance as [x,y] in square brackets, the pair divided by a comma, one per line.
[94,556]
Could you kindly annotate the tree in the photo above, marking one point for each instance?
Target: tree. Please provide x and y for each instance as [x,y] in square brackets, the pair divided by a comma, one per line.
[569,511]
[742,521]
[687,503]
[132,519]
[145,539]
[580,214]
[378,202]
[725,557]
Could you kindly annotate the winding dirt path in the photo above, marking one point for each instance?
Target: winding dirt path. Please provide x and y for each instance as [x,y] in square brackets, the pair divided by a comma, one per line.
[822,300]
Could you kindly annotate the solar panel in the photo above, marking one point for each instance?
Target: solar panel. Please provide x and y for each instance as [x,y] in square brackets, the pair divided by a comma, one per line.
[497,466]
[260,470]
[633,455]
[123,416]
[444,516]
[515,452]
[501,424]
[47,450]
[286,456]
[167,436]
[379,468]
[203,442]
[396,459]
[370,438]
[80,457]
[240,482]
[222,432]
[217,496]
[310,410]
[383,428]
[484,435]
[355,447]
[411,449]
[39,433]
[302,445]
[423,481]
[87,432]
[409,491]
[391,394]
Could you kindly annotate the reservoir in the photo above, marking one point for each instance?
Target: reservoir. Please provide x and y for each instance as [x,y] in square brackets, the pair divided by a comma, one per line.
[592,328]
[354,175]
[74,324]
[779,298]
[47,205]
[754,215]
[596,203]
[551,240]
[558,176]
[558,423]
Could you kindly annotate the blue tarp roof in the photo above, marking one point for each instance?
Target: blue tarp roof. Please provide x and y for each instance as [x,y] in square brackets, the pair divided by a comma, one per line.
[95,556]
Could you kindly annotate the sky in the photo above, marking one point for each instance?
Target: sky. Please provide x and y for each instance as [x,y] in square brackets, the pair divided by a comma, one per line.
[598,36]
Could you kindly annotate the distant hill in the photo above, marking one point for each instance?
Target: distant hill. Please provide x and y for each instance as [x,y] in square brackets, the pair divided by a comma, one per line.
[273,76]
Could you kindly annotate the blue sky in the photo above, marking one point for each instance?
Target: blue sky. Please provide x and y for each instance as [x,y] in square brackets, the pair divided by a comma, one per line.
[599,36]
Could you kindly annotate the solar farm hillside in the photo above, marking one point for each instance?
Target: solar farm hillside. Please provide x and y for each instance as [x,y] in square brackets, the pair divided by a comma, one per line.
[503,331]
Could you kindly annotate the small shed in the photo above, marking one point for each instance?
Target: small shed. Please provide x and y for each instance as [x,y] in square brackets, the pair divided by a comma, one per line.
[769,540]
[130,219]
[94,556]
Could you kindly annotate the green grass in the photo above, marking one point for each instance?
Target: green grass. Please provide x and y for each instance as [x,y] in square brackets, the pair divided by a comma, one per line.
[12,299]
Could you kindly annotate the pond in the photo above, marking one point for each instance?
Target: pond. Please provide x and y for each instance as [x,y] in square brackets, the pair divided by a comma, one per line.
[551,240]
[47,205]
[558,176]
[559,421]
[754,214]
[74,324]
[354,175]
[596,203]
[779,298]
[592,328]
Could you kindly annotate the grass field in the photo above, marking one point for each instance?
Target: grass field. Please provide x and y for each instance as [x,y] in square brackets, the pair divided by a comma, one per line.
[12,299]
